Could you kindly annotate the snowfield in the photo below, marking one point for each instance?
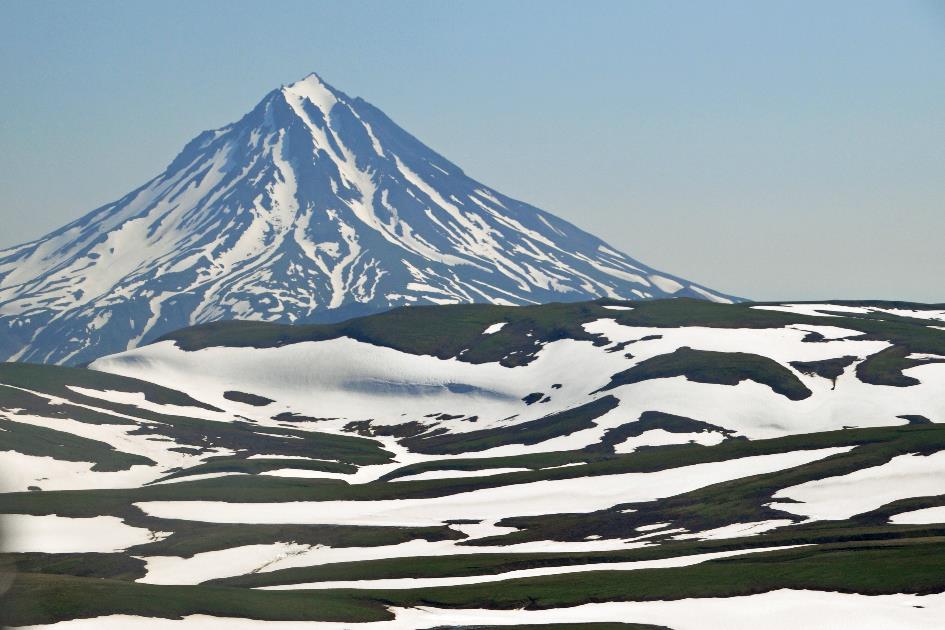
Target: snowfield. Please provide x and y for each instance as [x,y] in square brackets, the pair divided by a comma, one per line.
[924,516]
[867,489]
[340,468]
[58,534]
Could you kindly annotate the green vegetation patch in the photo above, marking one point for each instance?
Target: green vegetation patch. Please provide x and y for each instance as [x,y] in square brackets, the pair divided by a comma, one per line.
[877,446]
[533,461]
[830,369]
[885,367]
[256,466]
[911,504]
[721,368]
[651,420]
[55,380]
[533,432]
[465,565]
[872,568]
[247,399]
[94,565]
[19,402]
[45,599]
[30,439]
[884,568]
[193,537]
[440,331]
[742,500]
[197,433]
[249,438]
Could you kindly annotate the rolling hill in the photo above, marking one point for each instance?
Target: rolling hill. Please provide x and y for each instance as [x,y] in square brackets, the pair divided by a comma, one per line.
[607,464]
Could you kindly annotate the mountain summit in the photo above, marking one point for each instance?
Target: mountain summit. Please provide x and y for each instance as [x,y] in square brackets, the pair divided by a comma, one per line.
[315,206]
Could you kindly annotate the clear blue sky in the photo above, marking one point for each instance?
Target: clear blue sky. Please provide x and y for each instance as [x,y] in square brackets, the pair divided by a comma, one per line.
[770,149]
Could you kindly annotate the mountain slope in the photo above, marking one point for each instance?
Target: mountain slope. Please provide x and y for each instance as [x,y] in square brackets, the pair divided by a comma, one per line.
[694,464]
[313,207]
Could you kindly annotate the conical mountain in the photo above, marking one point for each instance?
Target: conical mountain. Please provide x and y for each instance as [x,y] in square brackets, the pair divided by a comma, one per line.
[315,206]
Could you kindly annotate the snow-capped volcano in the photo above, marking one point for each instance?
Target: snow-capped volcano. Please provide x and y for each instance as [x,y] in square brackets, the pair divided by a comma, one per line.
[314,206]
